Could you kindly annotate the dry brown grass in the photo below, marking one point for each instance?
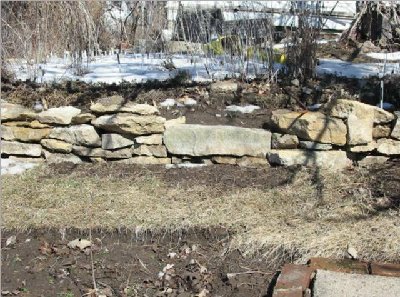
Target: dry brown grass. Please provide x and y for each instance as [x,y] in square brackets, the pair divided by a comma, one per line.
[288,221]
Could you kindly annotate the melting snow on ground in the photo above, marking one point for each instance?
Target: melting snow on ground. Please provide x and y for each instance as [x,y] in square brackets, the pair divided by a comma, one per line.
[242,109]
[141,68]
[395,56]
[355,70]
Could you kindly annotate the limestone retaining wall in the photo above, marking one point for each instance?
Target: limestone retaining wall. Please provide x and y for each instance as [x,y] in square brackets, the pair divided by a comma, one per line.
[342,134]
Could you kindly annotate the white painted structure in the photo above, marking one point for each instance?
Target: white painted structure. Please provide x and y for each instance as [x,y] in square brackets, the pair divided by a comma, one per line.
[337,15]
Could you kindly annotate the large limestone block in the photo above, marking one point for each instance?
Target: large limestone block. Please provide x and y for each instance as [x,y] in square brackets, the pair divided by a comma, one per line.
[150,139]
[33,124]
[118,104]
[342,108]
[315,146]
[115,141]
[55,145]
[382,131]
[80,134]
[335,284]
[314,126]
[130,123]
[107,104]
[100,153]
[359,130]
[15,112]
[18,148]
[369,147]
[325,159]
[61,158]
[372,160]
[284,141]
[199,140]
[59,115]
[83,118]
[23,134]
[224,160]
[151,150]
[247,161]
[396,129]
[224,87]
[172,122]
[146,160]
[142,109]
[388,146]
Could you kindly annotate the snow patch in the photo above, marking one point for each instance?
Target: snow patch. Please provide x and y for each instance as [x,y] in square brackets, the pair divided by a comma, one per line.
[242,109]
[395,56]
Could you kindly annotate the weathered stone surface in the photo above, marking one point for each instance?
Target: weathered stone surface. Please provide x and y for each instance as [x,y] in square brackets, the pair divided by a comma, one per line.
[146,160]
[224,87]
[177,121]
[130,124]
[360,119]
[315,146]
[55,145]
[284,141]
[382,116]
[334,284]
[98,152]
[23,134]
[372,160]
[224,160]
[342,108]
[396,129]
[388,146]
[314,126]
[247,161]
[79,134]
[107,104]
[83,118]
[150,139]
[34,124]
[142,109]
[60,115]
[199,140]
[26,159]
[325,159]
[369,147]
[61,158]
[118,104]
[359,129]
[151,150]
[14,112]
[18,148]
[381,131]
[115,141]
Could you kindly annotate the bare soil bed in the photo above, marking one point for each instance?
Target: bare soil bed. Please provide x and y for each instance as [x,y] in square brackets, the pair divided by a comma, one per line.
[129,264]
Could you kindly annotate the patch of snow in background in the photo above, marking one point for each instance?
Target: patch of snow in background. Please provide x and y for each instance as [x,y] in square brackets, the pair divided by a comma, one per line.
[9,166]
[141,68]
[355,70]
[395,56]
[169,102]
[242,109]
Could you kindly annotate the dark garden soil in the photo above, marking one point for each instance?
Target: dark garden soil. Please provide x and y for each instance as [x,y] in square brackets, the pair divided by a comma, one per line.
[128,264]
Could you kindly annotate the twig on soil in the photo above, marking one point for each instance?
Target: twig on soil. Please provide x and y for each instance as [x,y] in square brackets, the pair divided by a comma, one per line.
[144,266]
[233,274]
